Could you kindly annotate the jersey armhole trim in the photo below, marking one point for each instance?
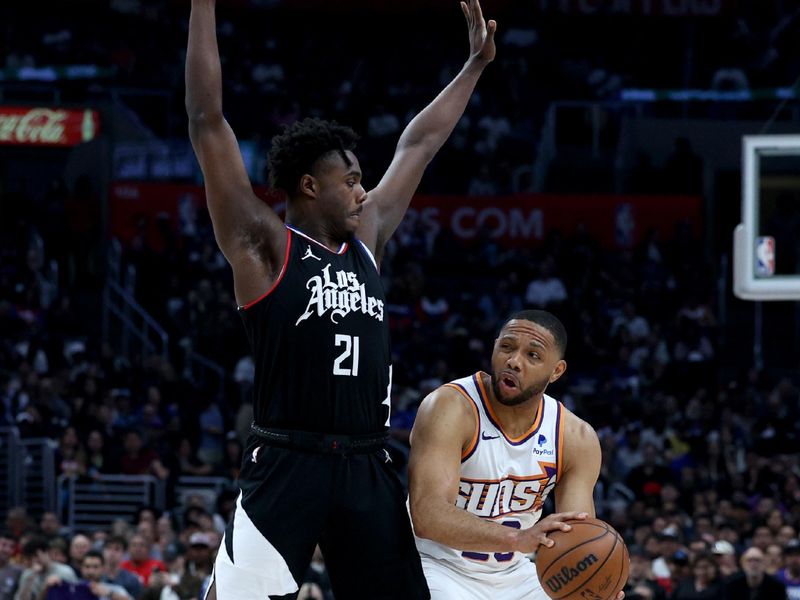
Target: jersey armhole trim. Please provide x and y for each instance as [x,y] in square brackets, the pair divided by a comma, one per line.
[280,275]
[473,443]
[369,253]
[559,439]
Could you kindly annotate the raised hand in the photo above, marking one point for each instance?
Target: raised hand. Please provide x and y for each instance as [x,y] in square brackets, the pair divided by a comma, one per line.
[481,33]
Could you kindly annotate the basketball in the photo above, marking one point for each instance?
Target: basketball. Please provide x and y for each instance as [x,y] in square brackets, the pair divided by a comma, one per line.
[589,562]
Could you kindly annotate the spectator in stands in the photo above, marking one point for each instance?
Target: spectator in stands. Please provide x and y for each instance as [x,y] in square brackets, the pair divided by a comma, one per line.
[188,461]
[41,568]
[198,566]
[90,586]
[140,562]
[113,555]
[762,537]
[98,457]
[212,432]
[57,549]
[140,460]
[232,460]
[647,479]
[635,324]
[50,526]
[704,583]
[79,545]
[167,542]
[547,289]
[640,578]
[785,534]
[18,522]
[752,582]
[317,582]
[774,558]
[790,574]
[725,555]
[9,572]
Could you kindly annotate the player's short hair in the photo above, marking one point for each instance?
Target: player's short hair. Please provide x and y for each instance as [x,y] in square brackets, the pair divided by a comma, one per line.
[547,320]
[301,144]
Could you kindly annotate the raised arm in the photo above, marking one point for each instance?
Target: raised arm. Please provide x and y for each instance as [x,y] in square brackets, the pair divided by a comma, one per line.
[443,428]
[424,135]
[249,233]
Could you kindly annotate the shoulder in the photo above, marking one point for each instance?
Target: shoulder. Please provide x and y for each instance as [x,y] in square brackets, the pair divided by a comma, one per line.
[447,409]
[578,430]
[579,436]
[65,572]
[448,399]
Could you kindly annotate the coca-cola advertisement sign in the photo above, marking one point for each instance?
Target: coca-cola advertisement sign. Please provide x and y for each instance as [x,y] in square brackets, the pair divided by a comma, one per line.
[44,126]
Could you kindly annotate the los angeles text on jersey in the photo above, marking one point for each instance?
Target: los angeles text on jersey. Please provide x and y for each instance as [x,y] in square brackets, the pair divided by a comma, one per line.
[496,498]
[340,294]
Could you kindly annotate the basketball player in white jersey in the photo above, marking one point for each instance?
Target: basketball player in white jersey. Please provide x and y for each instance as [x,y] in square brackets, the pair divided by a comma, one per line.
[486,450]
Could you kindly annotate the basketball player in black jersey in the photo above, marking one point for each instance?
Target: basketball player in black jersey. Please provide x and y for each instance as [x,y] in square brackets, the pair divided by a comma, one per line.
[314,470]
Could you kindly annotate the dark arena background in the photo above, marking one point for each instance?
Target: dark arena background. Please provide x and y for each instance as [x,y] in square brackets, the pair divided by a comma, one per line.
[596,173]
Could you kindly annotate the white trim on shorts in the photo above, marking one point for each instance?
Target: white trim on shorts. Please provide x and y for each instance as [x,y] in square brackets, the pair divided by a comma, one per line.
[257,570]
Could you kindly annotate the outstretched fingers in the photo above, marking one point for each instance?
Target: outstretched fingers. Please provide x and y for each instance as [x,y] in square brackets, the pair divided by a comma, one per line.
[467,15]
[476,10]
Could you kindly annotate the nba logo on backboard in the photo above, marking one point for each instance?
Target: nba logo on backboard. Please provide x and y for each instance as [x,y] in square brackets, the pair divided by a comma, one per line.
[765,256]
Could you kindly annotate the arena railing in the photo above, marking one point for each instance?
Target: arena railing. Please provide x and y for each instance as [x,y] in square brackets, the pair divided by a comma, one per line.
[27,466]
[92,503]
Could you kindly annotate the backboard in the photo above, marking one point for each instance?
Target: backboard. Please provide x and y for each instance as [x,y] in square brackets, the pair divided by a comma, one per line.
[766,244]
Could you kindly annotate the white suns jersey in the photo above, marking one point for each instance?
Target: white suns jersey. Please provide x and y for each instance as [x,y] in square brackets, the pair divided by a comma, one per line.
[502,478]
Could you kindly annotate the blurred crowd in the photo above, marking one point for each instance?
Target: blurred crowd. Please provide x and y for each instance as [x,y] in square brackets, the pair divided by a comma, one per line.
[701,458]
[278,65]
[690,458]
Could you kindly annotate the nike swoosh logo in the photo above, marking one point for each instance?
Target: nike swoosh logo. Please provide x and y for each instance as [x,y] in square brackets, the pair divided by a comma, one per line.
[488,437]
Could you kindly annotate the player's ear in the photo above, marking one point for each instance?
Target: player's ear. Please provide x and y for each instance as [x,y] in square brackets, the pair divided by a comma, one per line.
[308,185]
[561,366]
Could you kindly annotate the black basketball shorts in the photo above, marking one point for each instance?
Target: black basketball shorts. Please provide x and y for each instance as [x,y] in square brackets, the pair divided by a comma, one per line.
[352,504]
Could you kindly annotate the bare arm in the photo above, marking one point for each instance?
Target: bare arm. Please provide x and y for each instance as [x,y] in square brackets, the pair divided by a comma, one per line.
[582,458]
[581,467]
[424,135]
[443,428]
[249,233]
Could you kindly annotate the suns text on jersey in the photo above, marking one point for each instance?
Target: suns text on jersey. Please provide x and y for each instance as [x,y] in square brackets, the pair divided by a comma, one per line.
[340,293]
[497,498]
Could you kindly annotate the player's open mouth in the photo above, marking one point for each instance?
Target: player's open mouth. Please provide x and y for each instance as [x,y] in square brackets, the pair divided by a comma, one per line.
[508,382]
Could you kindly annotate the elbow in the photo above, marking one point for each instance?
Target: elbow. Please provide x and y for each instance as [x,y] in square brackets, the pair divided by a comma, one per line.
[420,520]
[199,117]
[424,146]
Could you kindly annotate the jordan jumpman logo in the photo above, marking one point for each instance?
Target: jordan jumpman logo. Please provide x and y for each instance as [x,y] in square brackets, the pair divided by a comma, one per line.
[309,254]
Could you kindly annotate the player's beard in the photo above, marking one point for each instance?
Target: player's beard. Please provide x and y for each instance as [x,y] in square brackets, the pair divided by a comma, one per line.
[523,396]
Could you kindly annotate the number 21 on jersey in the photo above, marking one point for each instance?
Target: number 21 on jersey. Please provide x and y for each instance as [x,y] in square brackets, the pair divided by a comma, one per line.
[343,366]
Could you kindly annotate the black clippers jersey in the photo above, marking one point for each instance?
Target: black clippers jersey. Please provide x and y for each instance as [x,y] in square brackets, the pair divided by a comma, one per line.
[320,341]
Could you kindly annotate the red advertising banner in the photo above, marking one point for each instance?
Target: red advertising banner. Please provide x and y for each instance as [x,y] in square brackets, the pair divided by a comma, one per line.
[520,220]
[43,126]
[525,219]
